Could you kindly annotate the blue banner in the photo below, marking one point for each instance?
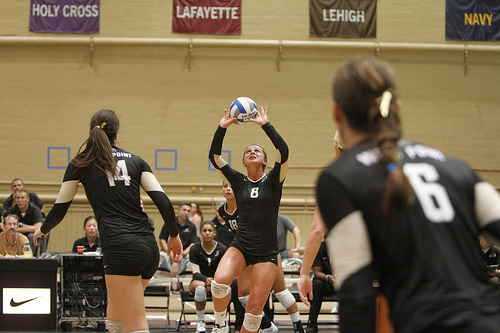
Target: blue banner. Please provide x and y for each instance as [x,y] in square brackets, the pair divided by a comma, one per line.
[473,20]
[65,16]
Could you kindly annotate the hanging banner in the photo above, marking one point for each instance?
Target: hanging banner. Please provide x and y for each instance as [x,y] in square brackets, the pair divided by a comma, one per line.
[210,17]
[473,20]
[65,16]
[343,18]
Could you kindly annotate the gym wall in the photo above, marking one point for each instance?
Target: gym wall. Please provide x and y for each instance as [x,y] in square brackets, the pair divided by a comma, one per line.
[170,91]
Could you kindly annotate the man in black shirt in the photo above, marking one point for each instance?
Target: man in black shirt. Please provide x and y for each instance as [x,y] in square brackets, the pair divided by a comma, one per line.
[30,216]
[187,230]
[16,185]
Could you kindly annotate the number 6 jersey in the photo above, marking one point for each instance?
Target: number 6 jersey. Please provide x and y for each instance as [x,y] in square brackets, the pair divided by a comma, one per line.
[427,258]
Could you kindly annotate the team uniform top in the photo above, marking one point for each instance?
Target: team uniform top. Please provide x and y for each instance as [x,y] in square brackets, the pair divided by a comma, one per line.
[204,264]
[257,201]
[115,200]
[427,259]
[230,218]
[226,231]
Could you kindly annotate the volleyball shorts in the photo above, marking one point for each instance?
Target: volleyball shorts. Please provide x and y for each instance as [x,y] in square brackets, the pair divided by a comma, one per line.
[140,256]
[252,259]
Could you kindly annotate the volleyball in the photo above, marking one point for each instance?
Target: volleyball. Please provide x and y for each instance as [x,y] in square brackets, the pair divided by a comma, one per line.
[243,109]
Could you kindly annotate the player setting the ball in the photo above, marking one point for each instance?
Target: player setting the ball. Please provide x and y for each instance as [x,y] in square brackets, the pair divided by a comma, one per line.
[258,197]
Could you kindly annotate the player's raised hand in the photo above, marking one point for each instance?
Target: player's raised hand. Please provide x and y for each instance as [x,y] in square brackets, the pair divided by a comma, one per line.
[261,117]
[227,120]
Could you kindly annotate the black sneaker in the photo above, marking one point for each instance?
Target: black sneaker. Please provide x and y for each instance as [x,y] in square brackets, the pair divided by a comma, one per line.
[312,328]
[297,327]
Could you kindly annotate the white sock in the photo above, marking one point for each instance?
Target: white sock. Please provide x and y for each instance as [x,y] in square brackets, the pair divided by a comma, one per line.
[220,318]
[295,317]
[201,315]
[115,326]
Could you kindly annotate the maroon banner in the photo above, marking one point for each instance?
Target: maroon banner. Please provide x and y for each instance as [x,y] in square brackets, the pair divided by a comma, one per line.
[209,17]
[65,16]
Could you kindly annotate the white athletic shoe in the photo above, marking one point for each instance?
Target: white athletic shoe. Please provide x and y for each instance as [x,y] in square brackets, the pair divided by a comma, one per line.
[218,329]
[270,329]
[201,327]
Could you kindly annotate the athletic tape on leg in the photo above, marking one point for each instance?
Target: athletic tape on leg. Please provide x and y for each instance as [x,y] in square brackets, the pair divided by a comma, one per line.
[200,294]
[252,322]
[115,326]
[286,298]
[219,290]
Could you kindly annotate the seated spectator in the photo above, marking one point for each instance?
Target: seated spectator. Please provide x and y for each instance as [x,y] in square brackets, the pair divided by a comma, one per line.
[16,185]
[187,234]
[323,285]
[286,224]
[196,216]
[204,258]
[30,216]
[491,258]
[187,230]
[91,241]
[11,241]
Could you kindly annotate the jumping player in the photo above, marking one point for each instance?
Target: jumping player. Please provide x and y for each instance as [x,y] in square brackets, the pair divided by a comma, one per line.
[258,197]
[404,214]
[229,212]
[112,178]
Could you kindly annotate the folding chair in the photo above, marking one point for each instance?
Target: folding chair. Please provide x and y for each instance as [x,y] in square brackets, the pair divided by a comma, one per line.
[160,286]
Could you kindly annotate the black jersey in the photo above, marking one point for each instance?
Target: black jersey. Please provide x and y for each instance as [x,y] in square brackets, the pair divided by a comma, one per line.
[257,201]
[226,231]
[230,218]
[115,200]
[204,264]
[427,258]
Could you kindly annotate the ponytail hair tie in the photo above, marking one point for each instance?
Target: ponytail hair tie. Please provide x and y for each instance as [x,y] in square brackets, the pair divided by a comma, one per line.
[102,125]
[385,103]
[390,166]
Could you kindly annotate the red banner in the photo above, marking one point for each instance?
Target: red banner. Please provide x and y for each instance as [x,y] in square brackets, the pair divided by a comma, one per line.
[210,17]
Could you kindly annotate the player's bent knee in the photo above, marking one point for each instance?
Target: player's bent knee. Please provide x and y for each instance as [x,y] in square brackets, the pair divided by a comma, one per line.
[252,322]
[219,290]
[286,298]
[200,294]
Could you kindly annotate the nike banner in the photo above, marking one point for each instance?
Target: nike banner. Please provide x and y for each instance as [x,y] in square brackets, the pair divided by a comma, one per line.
[210,17]
[343,18]
[26,300]
[473,20]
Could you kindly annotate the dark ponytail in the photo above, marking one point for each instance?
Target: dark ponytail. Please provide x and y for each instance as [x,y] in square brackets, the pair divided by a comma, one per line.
[365,91]
[97,149]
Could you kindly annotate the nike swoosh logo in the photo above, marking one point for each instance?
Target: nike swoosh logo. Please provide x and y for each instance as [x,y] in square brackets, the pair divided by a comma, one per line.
[15,304]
